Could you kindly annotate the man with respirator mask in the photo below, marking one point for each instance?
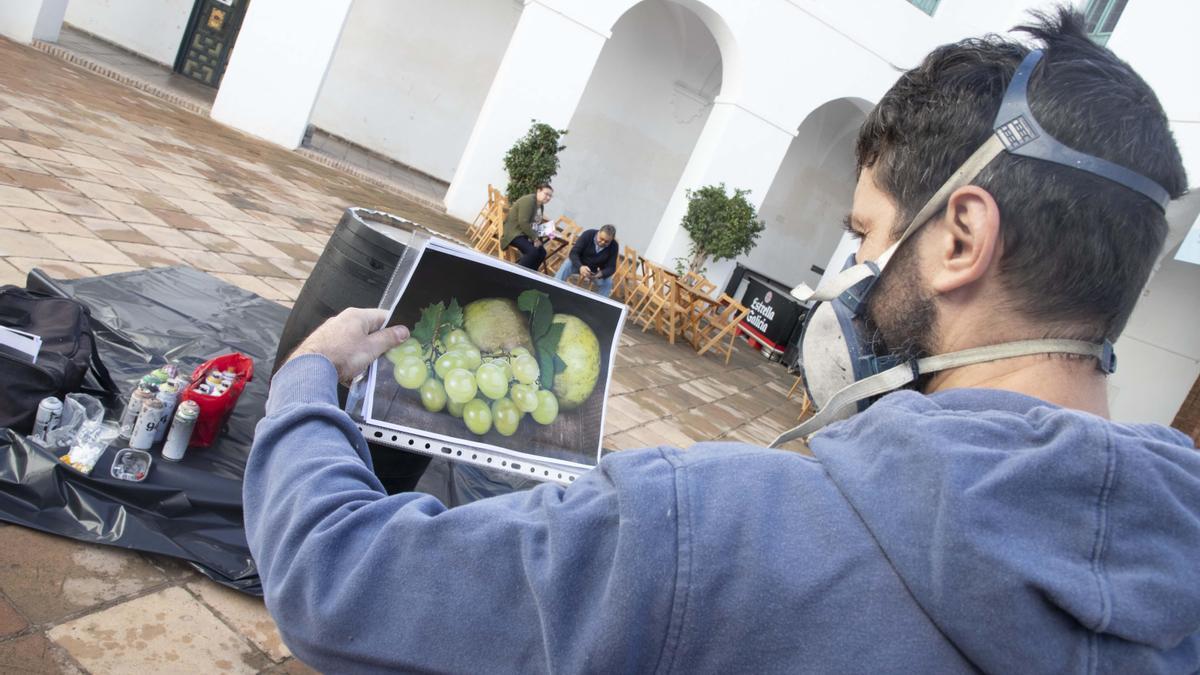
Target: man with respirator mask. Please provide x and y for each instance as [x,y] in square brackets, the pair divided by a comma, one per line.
[984,515]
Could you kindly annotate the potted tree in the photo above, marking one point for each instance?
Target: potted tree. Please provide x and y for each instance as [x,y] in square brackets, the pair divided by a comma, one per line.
[533,159]
[721,226]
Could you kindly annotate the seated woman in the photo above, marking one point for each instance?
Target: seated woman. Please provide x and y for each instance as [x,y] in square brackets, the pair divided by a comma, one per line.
[527,213]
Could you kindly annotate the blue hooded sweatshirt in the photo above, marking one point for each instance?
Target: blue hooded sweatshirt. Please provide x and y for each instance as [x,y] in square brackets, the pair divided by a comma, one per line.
[970,529]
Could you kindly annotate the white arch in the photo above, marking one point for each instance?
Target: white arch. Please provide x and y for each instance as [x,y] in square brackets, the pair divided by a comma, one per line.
[637,123]
[603,16]
[811,193]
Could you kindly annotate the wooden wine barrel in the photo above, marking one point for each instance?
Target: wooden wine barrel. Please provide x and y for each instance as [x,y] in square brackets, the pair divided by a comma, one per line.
[353,271]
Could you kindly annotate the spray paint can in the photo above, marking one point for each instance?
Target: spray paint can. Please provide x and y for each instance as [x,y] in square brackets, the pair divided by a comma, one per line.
[169,395]
[49,416]
[147,425]
[132,409]
[181,431]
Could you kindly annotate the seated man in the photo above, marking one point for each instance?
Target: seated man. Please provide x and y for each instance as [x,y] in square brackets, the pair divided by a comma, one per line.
[520,226]
[990,519]
[594,258]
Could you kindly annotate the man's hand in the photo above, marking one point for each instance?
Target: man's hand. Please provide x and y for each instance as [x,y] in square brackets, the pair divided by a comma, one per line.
[352,340]
[585,272]
[537,242]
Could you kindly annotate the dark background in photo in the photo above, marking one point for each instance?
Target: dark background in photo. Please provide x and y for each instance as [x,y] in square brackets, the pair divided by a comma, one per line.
[439,276]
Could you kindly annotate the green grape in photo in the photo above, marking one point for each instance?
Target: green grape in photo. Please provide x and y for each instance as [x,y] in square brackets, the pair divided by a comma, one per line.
[525,397]
[547,407]
[460,385]
[525,369]
[446,363]
[477,416]
[433,395]
[409,347]
[491,380]
[410,372]
[505,416]
[468,356]
[453,407]
[457,338]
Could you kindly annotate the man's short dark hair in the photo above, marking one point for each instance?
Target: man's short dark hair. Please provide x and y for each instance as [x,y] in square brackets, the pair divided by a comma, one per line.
[1077,248]
[543,185]
[610,230]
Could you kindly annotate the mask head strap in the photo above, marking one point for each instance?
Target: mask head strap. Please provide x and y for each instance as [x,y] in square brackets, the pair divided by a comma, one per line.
[1022,135]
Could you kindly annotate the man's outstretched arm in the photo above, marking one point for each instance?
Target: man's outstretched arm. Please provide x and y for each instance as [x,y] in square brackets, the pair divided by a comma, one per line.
[359,581]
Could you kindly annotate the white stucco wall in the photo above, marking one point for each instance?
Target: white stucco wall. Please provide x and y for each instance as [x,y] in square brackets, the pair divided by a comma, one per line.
[409,77]
[152,28]
[1139,38]
[276,70]
[1159,354]
[32,20]
[638,120]
[812,193]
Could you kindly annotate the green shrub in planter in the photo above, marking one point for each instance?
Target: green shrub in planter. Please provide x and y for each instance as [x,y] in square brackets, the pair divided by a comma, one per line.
[533,159]
[721,226]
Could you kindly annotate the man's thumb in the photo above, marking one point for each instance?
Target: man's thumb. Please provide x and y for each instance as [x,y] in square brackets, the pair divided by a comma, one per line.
[384,339]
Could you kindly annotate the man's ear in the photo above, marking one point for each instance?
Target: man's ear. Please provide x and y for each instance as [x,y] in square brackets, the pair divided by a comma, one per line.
[965,242]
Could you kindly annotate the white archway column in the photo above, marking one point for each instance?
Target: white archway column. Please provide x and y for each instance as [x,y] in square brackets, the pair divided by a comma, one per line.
[737,147]
[30,20]
[542,76]
[278,64]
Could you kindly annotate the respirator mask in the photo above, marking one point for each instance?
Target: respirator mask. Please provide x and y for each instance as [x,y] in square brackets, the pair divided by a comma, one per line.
[840,369]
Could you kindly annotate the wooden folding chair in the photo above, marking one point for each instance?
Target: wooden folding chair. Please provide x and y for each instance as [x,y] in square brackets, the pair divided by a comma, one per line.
[637,284]
[627,264]
[658,294]
[721,324]
[495,213]
[475,229]
[568,232]
[488,241]
[795,386]
[698,283]
[805,401]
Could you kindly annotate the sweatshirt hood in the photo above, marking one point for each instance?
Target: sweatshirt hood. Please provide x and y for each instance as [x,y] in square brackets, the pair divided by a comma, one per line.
[1036,538]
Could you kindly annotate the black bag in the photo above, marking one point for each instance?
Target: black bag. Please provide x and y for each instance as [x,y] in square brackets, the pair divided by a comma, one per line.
[68,352]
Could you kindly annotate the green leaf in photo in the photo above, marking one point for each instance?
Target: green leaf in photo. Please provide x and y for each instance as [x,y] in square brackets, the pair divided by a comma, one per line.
[527,299]
[547,355]
[426,328]
[452,318]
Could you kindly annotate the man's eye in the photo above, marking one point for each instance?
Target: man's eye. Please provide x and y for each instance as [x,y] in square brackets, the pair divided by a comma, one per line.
[850,228]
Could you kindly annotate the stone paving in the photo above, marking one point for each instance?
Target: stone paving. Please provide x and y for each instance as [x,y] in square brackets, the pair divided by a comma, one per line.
[97,178]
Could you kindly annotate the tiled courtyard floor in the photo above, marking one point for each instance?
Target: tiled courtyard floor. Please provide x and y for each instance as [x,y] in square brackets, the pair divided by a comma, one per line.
[97,178]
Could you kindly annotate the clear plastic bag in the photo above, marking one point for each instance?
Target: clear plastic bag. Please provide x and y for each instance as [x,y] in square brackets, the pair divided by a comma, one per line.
[83,432]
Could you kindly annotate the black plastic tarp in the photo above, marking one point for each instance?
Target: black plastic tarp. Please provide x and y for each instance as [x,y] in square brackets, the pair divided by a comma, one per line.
[191,509]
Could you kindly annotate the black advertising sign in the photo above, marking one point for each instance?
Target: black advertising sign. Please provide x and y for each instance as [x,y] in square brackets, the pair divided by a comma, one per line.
[773,314]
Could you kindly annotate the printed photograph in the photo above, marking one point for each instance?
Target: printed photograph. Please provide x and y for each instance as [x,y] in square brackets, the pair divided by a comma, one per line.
[497,357]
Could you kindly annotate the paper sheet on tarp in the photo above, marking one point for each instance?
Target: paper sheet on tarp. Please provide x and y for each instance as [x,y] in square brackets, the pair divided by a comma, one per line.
[191,509]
